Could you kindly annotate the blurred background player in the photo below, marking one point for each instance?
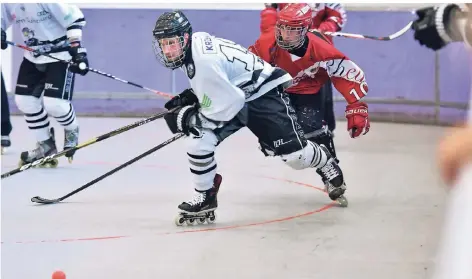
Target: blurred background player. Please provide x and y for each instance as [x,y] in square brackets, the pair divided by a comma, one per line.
[313,61]
[435,28]
[44,85]
[6,123]
[231,88]
[327,17]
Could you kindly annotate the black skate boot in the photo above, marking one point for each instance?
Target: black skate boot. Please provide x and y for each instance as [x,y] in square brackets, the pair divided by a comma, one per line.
[5,143]
[202,207]
[333,179]
[43,149]
[71,139]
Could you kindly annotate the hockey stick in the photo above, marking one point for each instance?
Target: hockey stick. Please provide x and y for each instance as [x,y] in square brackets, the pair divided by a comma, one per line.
[40,200]
[92,141]
[377,38]
[93,70]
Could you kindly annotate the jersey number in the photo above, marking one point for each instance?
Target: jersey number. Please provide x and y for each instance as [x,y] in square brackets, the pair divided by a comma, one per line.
[234,52]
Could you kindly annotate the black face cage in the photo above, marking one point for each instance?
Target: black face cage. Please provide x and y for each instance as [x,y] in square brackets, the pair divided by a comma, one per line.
[298,34]
[173,59]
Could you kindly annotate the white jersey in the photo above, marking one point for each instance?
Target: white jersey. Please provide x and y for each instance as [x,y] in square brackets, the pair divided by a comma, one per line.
[225,75]
[44,27]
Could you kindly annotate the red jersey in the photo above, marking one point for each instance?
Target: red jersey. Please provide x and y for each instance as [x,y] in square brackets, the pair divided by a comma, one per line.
[321,62]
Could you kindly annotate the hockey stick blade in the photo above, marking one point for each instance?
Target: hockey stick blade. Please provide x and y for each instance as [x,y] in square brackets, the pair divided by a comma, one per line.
[40,200]
[376,38]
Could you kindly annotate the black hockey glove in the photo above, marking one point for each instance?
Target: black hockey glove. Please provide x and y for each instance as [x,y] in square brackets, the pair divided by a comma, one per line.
[4,40]
[186,98]
[430,27]
[79,57]
[178,120]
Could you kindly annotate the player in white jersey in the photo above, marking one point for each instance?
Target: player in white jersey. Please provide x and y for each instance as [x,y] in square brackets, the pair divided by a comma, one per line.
[435,28]
[44,85]
[231,88]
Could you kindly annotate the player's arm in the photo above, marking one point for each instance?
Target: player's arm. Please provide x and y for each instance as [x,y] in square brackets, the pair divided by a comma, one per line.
[335,19]
[73,20]
[349,79]
[267,36]
[219,102]
[7,20]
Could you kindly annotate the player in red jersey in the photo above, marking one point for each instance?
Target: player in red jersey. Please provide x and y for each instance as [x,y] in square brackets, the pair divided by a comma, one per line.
[312,60]
[327,17]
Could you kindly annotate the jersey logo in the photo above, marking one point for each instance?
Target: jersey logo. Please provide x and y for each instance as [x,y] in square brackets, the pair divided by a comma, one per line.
[206,102]
[190,70]
[208,45]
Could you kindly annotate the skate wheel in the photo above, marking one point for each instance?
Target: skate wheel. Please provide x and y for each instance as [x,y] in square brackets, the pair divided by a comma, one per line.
[342,201]
[190,221]
[70,159]
[201,221]
[179,221]
[211,218]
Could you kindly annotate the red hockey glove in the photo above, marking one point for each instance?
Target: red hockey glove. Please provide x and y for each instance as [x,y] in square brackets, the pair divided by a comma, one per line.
[357,115]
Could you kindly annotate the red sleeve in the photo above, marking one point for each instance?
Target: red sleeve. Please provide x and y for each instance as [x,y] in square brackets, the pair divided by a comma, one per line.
[267,38]
[346,76]
[268,19]
[335,18]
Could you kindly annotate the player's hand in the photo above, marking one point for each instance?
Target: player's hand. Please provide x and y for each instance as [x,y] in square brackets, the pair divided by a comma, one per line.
[4,40]
[178,120]
[431,22]
[357,115]
[79,57]
[454,153]
[186,98]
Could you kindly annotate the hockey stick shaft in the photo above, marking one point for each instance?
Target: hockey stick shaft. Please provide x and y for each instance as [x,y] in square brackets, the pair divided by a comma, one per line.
[82,145]
[377,38]
[152,150]
[93,70]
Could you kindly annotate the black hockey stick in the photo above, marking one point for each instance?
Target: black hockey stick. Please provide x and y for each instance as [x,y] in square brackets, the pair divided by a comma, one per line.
[93,70]
[92,141]
[40,200]
[377,38]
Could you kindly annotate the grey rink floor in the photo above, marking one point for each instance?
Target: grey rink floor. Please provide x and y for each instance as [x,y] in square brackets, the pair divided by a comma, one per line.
[272,221]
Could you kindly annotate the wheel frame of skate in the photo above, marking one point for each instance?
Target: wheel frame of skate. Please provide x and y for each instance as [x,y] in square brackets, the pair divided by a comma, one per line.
[190,219]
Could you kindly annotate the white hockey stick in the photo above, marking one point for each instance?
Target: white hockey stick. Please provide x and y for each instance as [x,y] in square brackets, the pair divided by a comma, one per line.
[376,38]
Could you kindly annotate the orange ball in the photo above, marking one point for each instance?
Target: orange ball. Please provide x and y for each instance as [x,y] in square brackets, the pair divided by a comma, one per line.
[58,275]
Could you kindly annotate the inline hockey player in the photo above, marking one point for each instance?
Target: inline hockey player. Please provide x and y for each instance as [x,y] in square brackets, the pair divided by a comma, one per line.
[55,29]
[231,88]
[435,28]
[326,17]
[312,60]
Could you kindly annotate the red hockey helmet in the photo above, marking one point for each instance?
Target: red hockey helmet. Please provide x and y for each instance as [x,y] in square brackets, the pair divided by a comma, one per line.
[292,25]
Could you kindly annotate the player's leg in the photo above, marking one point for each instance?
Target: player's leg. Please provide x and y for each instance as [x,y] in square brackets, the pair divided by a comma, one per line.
[58,93]
[6,123]
[310,116]
[273,120]
[206,180]
[329,116]
[29,87]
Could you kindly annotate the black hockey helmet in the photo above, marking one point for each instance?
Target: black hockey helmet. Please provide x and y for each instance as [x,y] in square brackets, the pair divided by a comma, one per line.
[172,38]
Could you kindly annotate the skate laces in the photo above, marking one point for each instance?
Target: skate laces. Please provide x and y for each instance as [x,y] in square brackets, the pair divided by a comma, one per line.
[329,171]
[198,198]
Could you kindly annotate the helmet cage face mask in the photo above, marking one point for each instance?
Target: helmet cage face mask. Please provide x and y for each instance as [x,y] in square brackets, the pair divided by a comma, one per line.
[171,39]
[290,37]
[171,51]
